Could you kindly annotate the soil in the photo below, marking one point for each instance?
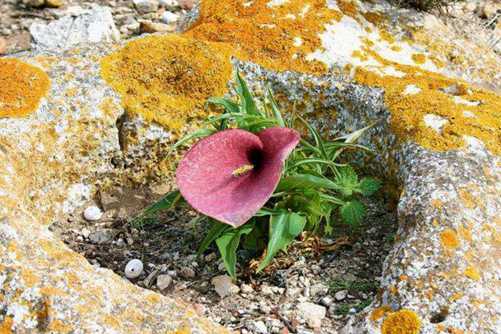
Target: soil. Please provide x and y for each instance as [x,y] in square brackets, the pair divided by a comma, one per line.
[340,272]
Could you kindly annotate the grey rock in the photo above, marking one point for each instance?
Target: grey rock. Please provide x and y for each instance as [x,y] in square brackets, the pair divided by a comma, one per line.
[341,295]
[164,281]
[89,27]
[259,327]
[312,314]
[187,272]
[101,236]
[145,6]
[224,286]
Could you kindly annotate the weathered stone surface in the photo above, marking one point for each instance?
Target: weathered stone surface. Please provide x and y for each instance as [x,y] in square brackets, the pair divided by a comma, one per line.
[442,273]
[91,26]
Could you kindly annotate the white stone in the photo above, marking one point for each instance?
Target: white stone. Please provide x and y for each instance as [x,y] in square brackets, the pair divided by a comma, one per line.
[259,327]
[246,288]
[312,313]
[170,17]
[435,122]
[90,27]
[460,100]
[224,286]
[164,281]
[134,268]
[340,295]
[145,6]
[411,90]
[169,4]
[92,213]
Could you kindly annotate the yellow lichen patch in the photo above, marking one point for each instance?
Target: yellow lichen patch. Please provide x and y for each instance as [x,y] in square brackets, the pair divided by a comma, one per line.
[167,79]
[380,312]
[22,87]
[408,111]
[266,34]
[419,58]
[467,198]
[6,325]
[59,326]
[449,239]
[401,322]
[375,18]
[472,273]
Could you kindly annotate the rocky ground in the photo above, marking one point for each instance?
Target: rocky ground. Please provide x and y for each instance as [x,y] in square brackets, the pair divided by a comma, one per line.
[313,288]
[475,18]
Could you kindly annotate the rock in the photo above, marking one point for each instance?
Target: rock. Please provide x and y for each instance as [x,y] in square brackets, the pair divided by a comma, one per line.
[34,3]
[489,8]
[18,42]
[312,313]
[327,301]
[246,288]
[187,4]
[169,4]
[266,290]
[341,295]
[258,327]
[54,3]
[319,289]
[91,26]
[3,46]
[152,27]
[164,281]
[92,213]
[101,236]
[224,286]
[187,272]
[134,268]
[145,6]
[169,17]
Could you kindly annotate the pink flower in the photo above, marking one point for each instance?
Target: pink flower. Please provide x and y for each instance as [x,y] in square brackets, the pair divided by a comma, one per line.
[231,174]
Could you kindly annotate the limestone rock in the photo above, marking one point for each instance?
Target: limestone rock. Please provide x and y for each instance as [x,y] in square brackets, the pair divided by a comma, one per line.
[91,26]
[312,313]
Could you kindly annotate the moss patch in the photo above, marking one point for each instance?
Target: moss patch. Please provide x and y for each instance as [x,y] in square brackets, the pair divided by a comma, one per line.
[167,79]
[22,88]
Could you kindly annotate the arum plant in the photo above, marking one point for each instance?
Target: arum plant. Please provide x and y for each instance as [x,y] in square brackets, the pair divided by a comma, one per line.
[259,184]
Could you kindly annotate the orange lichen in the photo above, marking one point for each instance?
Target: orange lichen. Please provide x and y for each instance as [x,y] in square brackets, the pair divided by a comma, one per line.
[408,111]
[401,322]
[467,198]
[167,79]
[22,87]
[348,8]
[6,325]
[419,58]
[449,239]
[380,312]
[374,17]
[265,34]
[472,273]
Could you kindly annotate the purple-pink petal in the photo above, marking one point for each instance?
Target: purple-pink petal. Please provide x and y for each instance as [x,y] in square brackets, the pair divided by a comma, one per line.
[206,175]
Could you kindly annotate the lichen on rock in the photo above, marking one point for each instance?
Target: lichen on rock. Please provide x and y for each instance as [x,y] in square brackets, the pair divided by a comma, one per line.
[167,79]
[401,322]
[22,87]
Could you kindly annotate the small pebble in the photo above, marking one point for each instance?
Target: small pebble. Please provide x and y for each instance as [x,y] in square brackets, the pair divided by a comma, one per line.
[169,17]
[134,268]
[92,213]
[164,281]
[187,272]
[340,295]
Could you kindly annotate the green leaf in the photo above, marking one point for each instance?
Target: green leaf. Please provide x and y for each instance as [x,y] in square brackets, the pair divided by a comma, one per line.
[353,212]
[301,181]
[228,245]
[216,230]
[275,108]
[230,106]
[166,202]
[197,134]
[347,180]
[284,228]
[247,101]
[369,186]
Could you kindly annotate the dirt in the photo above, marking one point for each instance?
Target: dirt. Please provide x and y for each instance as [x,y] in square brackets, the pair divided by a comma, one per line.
[348,264]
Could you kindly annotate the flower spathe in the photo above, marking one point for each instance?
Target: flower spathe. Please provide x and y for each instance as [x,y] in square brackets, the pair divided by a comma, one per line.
[231,174]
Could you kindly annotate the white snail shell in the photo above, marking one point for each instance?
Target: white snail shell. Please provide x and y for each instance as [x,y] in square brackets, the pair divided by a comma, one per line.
[92,213]
[134,268]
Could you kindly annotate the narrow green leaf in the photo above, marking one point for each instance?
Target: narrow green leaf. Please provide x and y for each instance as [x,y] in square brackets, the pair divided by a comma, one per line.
[275,108]
[166,202]
[353,212]
[230,106]
[300,181]
[228,245]
[247,101]
[284,228]
[216,230]
[201,133]
[369,186]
